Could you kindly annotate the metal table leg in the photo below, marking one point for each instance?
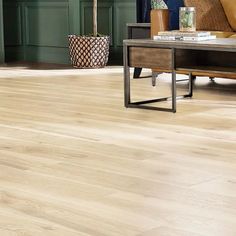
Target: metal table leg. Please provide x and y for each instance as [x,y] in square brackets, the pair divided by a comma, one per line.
[141,104]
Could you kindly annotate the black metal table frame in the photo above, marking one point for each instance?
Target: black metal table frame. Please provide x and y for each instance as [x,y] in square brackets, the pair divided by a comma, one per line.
[141,104]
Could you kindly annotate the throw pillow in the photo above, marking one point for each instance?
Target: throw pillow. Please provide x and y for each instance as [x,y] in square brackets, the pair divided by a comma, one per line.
[158,4]
[230,11]
[173,6]
[210,15]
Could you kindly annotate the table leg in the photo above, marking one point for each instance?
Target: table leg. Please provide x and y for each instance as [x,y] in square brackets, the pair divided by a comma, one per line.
[142,104]
[126,78]
[173,86]
[191,79]
[154,78]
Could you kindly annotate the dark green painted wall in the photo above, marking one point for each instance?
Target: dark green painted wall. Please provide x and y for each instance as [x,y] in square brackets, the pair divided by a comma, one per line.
[1,35]
[37,30]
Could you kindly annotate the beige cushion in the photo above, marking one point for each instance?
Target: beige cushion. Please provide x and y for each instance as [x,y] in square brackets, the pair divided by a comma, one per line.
[230,11]
[210,15]
[233,36]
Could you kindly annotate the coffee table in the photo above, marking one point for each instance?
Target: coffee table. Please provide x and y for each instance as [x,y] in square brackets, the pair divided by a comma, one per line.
[216,58]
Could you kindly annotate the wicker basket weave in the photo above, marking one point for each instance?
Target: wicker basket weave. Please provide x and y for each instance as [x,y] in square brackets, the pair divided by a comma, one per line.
[89,52]
[210,15]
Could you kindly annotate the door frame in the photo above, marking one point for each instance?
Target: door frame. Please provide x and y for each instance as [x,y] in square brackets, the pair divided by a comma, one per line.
[2,53]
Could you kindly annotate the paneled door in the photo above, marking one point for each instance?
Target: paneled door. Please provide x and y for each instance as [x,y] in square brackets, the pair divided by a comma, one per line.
[1,34]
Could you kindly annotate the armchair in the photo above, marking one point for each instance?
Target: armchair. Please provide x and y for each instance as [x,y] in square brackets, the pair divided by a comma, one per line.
[220,20]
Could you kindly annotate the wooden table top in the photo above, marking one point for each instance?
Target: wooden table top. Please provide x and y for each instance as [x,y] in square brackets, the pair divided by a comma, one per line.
[220,44]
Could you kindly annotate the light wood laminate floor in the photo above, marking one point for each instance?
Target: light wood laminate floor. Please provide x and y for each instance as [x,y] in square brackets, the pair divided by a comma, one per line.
[75,162]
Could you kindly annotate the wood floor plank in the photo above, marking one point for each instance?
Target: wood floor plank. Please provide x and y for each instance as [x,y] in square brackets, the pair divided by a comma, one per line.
[162,171]
[165,231]
[226,186]
[74,161]
[79,216]
[14,223]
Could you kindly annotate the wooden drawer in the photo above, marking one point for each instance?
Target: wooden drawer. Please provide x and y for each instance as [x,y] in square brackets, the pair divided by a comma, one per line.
[150,58]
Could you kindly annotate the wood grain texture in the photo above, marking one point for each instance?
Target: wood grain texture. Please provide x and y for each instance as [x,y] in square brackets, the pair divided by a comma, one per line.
[150,58]
[75,162]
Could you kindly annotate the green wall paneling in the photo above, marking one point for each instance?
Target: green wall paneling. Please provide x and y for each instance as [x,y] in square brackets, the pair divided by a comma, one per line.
[124,12]
[74,16]
[2,56]
[40,31]
[13,31]
[46,24]
[36,30]
[47,54]
[13,24]
[105,18]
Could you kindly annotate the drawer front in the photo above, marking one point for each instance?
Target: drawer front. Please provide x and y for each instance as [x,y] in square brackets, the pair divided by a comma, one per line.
[142,57]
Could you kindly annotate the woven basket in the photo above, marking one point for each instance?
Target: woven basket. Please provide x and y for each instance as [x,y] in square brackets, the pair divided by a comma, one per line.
[89,52]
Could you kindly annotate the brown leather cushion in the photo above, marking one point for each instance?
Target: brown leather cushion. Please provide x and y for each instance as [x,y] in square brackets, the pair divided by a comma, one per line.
[210,15]
[230,11]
